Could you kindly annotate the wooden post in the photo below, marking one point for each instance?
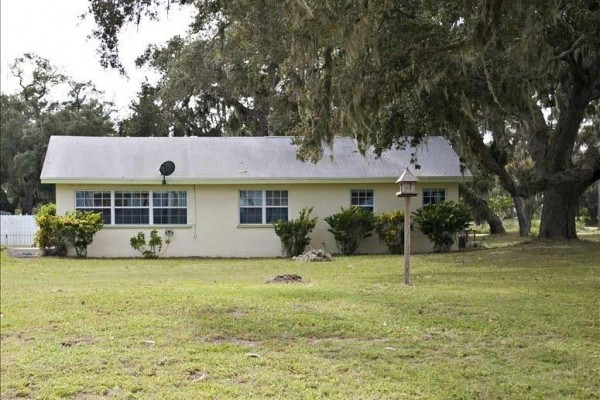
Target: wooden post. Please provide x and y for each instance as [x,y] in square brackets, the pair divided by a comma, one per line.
[408,189]
[407,240]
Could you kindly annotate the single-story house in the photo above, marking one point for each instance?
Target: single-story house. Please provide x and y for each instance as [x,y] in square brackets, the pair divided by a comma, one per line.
[225,192]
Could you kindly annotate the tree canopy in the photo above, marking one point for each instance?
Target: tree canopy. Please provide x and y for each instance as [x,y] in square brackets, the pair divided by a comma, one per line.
[28,119]
[514,84]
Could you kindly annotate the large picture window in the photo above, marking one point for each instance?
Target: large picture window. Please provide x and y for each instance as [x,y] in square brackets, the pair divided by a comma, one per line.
[169,208]
[136,207]
[263,206]
[362,198]
[94,201]
[132,208]
[433,196]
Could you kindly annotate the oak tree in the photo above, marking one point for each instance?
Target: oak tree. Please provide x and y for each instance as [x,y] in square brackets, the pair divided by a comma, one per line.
[512,83]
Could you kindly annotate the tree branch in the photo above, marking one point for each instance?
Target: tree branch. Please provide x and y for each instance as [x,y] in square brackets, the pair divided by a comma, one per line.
[487,159]
[583,175]
[538,145]
[420,51]
[570,50]
[490,86]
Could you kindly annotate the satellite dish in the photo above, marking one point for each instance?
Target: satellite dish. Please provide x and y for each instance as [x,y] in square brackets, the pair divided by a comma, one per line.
[166,169]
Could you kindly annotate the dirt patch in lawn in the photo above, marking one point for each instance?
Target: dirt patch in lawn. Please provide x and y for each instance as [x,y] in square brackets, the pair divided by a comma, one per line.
[77,341]
[289,278]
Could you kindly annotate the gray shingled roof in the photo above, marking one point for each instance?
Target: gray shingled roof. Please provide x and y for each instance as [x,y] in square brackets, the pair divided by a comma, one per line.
[233,159]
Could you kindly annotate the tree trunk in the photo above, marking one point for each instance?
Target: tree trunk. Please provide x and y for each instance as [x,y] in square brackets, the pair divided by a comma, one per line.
[524,222]
[481,209]
[558,213]
[495,223]
[27,204]
[531,203]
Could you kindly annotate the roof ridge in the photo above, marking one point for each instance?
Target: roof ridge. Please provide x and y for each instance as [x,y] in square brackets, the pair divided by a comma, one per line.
[136,159]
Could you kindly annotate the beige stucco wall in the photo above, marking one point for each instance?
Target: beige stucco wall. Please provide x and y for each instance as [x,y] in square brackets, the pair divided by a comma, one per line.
[213,229]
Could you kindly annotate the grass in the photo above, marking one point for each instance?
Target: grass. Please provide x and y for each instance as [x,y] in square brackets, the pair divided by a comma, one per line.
[520,321]
[511,225]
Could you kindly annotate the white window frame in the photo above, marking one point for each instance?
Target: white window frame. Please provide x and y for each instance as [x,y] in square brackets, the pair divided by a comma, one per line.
[263,205]
[169,206]
[362,205]
[150,206]
[430,197]
[84,207]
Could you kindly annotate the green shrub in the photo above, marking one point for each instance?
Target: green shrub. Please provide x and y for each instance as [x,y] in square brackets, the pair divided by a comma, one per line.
[584,218]
[49,236]
[350,226]
[56,233]
[294,233]
[390,229]
[501,203]
[154,247]
[440,222]
[79,228]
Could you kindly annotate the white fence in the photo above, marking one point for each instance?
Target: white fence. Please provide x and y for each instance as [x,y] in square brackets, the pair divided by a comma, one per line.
[17,230]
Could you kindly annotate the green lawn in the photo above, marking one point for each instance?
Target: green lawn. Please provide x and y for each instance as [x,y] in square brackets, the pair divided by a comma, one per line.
[504,323]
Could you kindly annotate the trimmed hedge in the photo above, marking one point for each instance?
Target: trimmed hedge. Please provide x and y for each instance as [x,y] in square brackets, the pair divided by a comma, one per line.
[294,233]
[350,226]
[440,222]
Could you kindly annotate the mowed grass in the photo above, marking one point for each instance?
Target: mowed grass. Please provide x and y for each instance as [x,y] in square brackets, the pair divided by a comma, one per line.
[505,323]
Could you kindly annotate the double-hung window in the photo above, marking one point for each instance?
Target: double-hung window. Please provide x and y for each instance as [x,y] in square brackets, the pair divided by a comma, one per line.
[276,206]
[169,208]
[433,196]
[251,207]
[94,201]
[263,206]
[132,208]
[362,198]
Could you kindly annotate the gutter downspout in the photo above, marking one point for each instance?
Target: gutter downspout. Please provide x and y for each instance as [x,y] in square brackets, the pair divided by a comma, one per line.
[195,214]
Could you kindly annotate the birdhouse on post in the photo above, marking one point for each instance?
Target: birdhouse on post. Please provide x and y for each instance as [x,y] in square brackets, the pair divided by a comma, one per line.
[408,189]
[408,184]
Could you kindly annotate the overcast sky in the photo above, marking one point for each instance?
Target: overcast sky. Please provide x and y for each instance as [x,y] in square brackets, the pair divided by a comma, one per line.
[53,30]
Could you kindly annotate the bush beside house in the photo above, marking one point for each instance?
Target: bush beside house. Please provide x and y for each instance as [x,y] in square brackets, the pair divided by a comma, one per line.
[350,226]
[57,233]
[390,230]
[79,228]
[294,233]
[49,237]
[441,221]
[152,249]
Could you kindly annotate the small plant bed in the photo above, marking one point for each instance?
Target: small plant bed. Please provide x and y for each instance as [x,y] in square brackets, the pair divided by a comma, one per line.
[152,249]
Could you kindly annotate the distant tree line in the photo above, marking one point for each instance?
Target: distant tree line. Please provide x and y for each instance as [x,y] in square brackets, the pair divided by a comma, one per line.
[27,120]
